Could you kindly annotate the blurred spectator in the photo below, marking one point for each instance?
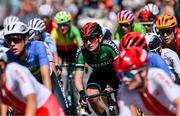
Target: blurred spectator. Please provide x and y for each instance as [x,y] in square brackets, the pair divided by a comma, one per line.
[169,7]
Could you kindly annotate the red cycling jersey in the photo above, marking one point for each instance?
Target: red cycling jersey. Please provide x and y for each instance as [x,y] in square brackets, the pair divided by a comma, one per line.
[51,24]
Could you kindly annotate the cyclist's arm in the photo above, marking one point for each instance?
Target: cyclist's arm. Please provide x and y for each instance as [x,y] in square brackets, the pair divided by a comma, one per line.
[79,70]
[78,80]
[44,65]
[45,73]
[176,103]
[30,109]
[4,109]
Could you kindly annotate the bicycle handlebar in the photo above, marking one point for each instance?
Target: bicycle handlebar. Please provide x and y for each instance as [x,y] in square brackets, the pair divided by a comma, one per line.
[104,93]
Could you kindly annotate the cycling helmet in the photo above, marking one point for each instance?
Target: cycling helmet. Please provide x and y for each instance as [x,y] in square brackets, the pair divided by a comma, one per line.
[132,58]
[16,28]
[165,21]
[132,39]
[153,8]
[106,33]
[63,17]
[37,24]
[10,19]
[91,29]
[155,30]
[153,41]
[45,10]
[125,16]
[146,16]
[3,56]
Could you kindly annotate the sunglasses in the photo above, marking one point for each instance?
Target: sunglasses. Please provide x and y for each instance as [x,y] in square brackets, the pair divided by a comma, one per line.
[124,25]
[128,76]
[90,39]
[167,32]
[14,40]
[64,25]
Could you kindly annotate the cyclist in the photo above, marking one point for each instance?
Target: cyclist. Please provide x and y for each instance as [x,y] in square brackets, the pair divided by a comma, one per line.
[149,89]
[66,36]
[126,23]
[170,57]
[153,8]
[7,20]
[45,12]
[146,18]
[31,54]
[166,25]
[138,40]
[99,55]
[38,27]
[20,90]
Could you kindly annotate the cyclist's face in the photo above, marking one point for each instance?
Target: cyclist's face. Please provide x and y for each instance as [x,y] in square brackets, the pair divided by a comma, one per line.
[16,43]
[132,79]
[126,27]
[167,35]
[63,28]
[148,27]
[92,43]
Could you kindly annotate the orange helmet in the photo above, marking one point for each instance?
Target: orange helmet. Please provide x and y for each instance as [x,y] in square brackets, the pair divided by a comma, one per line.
[165,21]
[125,16]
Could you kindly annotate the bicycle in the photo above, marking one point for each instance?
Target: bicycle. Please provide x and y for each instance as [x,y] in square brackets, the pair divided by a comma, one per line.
[111,104]
[70,89]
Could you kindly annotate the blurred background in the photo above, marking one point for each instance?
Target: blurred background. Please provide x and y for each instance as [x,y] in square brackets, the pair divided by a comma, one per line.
[102,11]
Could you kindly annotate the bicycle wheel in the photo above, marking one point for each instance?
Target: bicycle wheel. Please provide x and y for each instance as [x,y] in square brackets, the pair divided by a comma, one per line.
[72,96]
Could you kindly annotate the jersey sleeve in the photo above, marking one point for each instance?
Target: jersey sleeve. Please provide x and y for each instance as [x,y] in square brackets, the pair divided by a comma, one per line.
[139,28]
[77,36]
[48,39]
[168,86]
[79,60]
[42,54]
[22,77]
[123,103]
[175,61]
[158,62]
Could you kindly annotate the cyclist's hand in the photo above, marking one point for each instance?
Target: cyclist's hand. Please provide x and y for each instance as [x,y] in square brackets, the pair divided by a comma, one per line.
[82,99]
[58,70]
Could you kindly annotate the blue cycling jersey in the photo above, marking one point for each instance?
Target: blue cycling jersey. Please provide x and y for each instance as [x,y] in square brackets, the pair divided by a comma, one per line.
[46,37]
[156,61]
[35,59]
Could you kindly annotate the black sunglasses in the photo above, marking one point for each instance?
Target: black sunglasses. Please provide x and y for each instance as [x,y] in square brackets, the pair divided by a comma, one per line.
[124,25]
[14,39]
[167,32]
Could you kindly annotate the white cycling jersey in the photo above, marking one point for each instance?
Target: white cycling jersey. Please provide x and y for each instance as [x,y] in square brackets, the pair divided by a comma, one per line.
[20,83]
[172,59]
[155,99]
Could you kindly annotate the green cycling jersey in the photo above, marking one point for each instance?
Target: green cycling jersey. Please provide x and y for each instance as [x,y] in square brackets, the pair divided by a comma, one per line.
[136,27]
[102,62]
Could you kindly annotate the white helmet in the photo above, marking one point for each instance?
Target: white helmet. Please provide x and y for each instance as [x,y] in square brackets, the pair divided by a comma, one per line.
[16,28]
[3,56]
[10,19]
[153,8]
[45,10]
[37,24]
[153,41]
[155,30]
